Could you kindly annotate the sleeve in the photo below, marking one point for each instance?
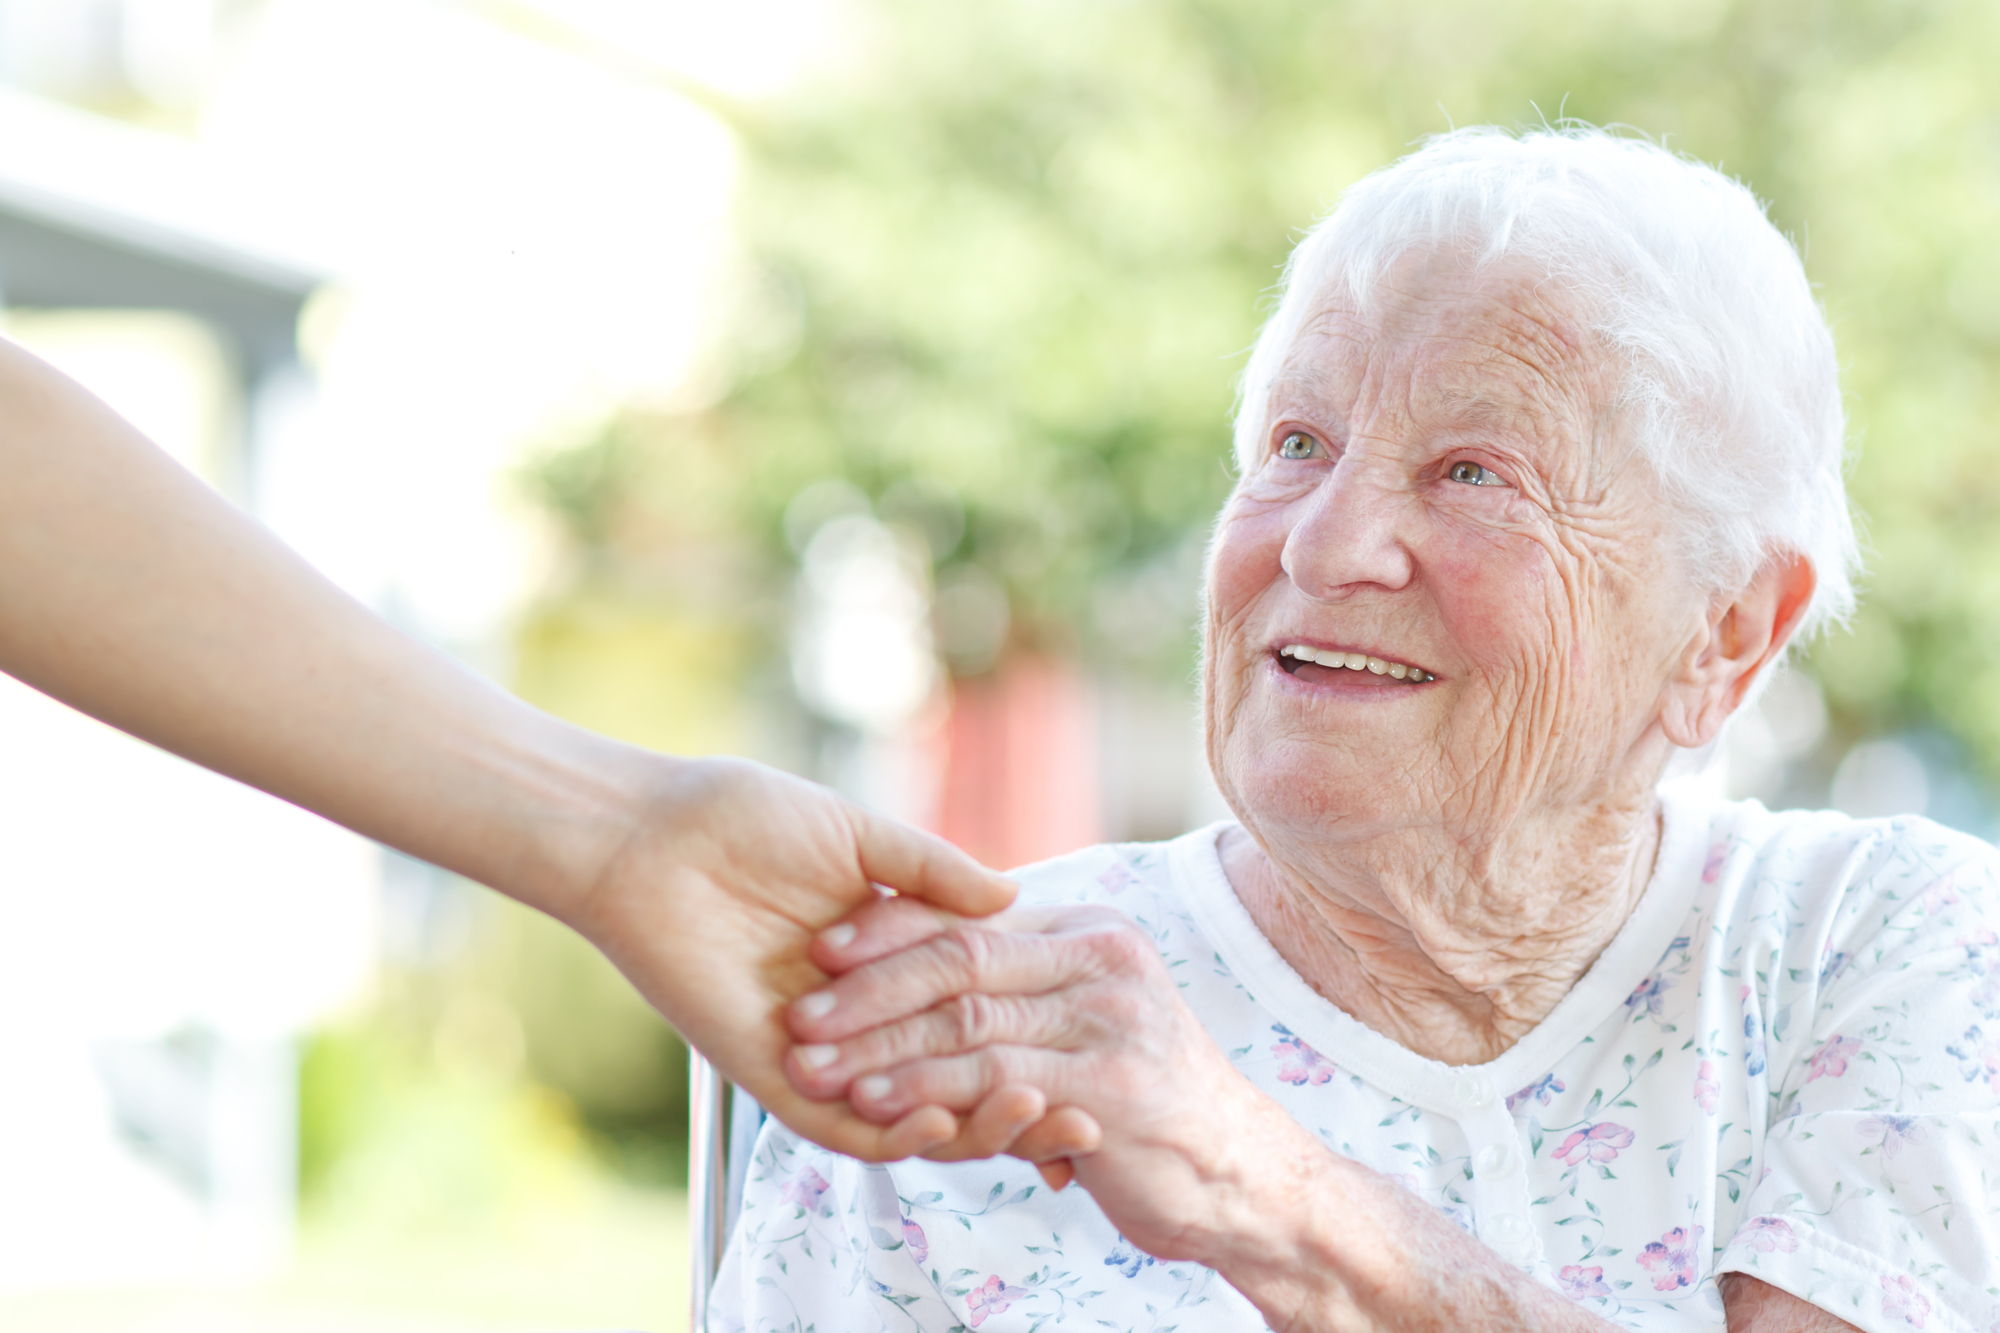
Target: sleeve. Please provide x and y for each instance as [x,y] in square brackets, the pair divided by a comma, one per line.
[820,1240]
[1876,1200]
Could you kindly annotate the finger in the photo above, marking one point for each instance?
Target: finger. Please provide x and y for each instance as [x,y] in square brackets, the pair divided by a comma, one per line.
[877,930]
[963,958]
[1066,1131]
[994,1124]
[1062,1134]
[918,1132]
[823,1070]
[837,1126]
[923,865]
[956,1082]
[1053,1138]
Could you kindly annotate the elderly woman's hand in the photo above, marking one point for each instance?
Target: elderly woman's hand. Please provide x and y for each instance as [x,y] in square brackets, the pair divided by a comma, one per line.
[1073,1008]
[1070,1008]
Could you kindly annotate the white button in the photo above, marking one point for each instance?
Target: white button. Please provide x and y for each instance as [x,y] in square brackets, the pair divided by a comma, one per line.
[1496,1161]
[1507,1230]
[1474,1091]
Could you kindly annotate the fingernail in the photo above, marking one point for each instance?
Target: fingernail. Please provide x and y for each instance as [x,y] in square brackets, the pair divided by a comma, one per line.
[873,1088]
[817,1005]
[818,1057]
[838,937]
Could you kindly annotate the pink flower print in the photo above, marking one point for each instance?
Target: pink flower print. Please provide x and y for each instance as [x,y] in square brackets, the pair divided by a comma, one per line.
[1893,1130]
[1546,1087]
[1941,894]
[992,1298]
[1768,1234]
[1705,1087]
[913,1237]
[1718,856]
[1580,1283]
[1831,960]
[1299,1064]
[805,1189]
[1831,1059]
[1901,1300]
[1116,877]
[1649,995]
[1600,1143]
[1671,1257]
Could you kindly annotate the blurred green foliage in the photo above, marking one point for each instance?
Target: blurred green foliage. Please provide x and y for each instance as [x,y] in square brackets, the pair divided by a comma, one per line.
[516,1068]
[1013,254]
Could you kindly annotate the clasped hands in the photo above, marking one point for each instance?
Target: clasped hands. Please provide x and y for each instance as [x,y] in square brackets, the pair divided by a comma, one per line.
[1061,1038]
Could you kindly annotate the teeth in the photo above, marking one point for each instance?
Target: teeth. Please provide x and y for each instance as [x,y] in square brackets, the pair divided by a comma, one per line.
[1326,657]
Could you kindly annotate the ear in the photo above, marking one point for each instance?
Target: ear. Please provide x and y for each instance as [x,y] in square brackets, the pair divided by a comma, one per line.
[1740,636]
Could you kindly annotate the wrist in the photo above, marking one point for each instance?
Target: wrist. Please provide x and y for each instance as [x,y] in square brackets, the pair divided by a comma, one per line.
[1309,1248]
[564,806]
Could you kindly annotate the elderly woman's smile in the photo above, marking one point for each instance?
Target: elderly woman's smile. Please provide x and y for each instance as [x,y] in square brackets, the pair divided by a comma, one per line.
[1440,486]
[1466,1020]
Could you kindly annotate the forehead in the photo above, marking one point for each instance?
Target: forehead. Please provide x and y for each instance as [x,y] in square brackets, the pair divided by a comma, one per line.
[1499,343]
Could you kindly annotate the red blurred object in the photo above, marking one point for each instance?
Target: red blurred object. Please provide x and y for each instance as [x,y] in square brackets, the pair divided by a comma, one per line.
[1020,776]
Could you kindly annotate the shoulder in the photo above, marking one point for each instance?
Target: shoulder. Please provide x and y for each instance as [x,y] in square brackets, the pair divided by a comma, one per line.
[1819,894]
[1825,855]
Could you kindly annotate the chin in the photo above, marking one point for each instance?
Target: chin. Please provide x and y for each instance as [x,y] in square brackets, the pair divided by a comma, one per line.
[1314,788]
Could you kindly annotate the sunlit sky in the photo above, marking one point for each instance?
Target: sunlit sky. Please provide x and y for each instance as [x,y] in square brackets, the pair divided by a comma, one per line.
[530,228]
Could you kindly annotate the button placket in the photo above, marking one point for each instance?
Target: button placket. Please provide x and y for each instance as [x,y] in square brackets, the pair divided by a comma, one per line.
[1501,1212]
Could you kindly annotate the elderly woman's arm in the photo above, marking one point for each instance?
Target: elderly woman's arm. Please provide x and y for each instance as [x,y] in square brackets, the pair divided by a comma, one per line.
[1186,1158]
[131,591]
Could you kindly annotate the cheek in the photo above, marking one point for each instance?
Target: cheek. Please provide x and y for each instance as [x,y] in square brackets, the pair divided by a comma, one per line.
[1505,602]
[1249,548]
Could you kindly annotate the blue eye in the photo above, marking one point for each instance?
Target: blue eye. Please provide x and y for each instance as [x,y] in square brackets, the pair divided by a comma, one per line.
[1473,475]
[1297,445]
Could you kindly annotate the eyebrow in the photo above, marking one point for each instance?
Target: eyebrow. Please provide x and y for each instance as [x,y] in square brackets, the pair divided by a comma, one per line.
[1476,406]
[1308,380]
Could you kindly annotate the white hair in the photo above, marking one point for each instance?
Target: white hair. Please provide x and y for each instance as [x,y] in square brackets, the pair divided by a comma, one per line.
[1728,373]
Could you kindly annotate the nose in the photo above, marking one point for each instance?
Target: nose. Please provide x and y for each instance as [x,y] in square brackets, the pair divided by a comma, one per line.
[1348,534]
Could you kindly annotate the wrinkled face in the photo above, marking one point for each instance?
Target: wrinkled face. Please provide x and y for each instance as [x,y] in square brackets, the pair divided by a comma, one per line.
[1444,595]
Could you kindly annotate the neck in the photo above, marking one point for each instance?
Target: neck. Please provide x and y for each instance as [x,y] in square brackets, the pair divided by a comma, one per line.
[1454,946]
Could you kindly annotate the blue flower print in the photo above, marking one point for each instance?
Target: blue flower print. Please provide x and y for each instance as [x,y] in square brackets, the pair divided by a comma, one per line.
[1128,1258]
[1978,1058]
[1540,1091]
[1892,1130]
[1753,1040]
[1649,996]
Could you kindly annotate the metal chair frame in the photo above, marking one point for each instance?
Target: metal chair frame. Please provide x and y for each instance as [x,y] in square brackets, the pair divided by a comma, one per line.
[723,1121]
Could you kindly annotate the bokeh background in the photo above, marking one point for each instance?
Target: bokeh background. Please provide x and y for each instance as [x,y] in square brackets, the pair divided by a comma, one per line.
[838,382]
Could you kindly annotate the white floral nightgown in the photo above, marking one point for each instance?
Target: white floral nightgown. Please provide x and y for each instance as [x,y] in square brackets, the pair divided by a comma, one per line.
[1787,1063]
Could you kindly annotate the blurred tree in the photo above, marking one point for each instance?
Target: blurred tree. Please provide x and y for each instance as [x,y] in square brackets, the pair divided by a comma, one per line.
[1006,259]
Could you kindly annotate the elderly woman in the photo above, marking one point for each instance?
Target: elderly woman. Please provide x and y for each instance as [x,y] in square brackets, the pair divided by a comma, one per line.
[1466,1021]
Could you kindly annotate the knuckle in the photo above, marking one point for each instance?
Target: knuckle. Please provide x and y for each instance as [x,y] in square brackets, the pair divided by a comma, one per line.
[1122,950]
[965,952]
[1121,1010]
[972,1019]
